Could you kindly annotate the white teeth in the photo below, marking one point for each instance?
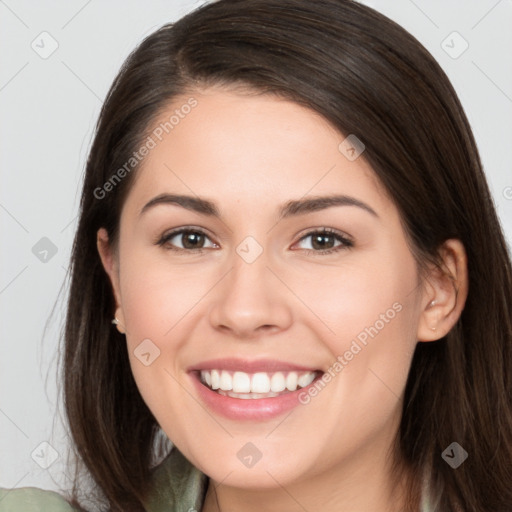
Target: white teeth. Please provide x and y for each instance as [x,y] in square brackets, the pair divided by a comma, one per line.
[215,378]
[277,382]
[306,379]
[241,382]
[291,381]
[247,396]
[226,381]
[260,383]
[256,385]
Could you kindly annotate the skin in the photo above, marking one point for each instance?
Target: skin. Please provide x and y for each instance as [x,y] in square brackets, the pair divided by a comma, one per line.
[249,154]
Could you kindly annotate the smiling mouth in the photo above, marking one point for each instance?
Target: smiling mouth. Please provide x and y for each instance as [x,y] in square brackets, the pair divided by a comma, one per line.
[258,385]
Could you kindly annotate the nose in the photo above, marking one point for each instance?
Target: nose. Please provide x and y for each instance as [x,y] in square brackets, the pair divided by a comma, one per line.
[250,301]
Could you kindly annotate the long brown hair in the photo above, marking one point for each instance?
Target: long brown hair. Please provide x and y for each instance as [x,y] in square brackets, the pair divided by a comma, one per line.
[367,76]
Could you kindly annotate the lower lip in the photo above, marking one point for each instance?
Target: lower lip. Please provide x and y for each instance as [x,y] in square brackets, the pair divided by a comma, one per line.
[255,409]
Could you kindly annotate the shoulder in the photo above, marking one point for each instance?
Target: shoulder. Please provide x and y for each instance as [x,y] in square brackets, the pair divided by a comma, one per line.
[32,499]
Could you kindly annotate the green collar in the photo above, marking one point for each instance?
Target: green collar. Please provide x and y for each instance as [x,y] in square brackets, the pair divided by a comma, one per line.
[177,486]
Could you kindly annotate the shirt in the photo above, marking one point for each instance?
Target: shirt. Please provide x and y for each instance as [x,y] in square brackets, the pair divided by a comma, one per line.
[176,486]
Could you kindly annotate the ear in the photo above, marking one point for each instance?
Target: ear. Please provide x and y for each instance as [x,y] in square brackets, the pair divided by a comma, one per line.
[445,293]
[111,265]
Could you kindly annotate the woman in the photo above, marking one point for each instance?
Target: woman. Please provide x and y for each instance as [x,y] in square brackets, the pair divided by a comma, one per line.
[287,261]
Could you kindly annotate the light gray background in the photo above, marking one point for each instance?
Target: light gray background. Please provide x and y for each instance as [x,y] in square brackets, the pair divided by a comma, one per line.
[48,109]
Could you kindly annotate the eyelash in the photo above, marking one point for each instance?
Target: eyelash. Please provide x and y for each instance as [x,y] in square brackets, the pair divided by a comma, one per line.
[346,243]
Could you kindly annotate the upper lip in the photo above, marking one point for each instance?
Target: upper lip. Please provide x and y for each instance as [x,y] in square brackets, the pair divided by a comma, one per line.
[248,366]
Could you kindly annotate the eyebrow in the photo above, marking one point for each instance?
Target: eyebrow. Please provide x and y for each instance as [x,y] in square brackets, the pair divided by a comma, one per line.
[289,209]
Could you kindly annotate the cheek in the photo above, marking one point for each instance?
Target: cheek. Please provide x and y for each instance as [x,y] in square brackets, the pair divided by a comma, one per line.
[366,314]
[155,303]
[156,296]
[364,298]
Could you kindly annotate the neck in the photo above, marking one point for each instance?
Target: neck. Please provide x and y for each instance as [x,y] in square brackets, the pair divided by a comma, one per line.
[366,484]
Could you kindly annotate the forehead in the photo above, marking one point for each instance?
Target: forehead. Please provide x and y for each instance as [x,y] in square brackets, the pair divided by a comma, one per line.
[251,150]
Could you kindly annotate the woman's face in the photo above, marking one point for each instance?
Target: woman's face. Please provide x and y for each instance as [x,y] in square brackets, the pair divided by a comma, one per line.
[251,297]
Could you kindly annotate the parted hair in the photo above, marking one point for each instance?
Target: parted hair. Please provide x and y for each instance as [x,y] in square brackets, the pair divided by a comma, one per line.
[367,76]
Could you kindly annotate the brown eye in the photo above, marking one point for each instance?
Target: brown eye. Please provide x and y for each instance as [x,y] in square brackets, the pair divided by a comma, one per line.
[192,239]
[185,240]
[326,241]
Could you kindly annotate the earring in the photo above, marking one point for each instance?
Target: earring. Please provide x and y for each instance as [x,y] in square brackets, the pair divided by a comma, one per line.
[117,323]
[431,305]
